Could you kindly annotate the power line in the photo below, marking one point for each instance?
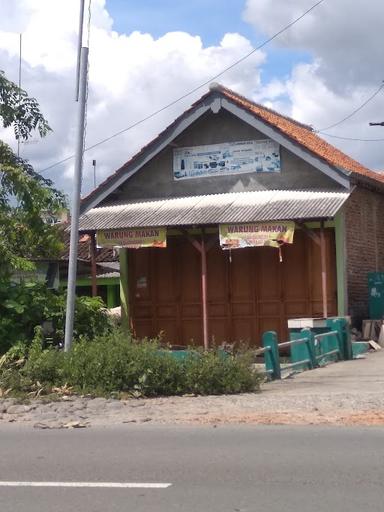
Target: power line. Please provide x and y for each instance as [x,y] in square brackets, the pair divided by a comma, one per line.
[352,113]
[350,138]
[213,78]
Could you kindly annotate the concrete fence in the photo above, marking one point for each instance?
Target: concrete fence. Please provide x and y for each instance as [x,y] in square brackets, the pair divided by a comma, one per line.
[306,349]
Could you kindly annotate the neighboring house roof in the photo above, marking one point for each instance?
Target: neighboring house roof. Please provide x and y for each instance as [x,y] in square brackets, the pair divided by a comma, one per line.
[297,134]
[109,269]
[84,250]
[261,205]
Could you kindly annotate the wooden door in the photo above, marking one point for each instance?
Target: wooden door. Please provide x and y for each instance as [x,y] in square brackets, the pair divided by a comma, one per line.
[165,294]
[249,290]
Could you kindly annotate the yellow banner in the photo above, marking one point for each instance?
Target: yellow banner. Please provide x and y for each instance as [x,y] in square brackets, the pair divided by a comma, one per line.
[272,234]
[133,238]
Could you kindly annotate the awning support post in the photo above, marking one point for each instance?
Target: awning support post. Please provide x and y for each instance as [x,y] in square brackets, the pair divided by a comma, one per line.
[204,291]
[203,247]
[93,265]
[323,271]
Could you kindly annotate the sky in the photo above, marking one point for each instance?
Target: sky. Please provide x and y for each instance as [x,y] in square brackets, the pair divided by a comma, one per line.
[145,54]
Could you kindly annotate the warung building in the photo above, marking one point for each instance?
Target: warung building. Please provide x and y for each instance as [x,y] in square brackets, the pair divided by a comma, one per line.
[234,220]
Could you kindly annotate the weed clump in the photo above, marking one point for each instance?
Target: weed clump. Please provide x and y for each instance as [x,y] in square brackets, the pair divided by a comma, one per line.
[116,362]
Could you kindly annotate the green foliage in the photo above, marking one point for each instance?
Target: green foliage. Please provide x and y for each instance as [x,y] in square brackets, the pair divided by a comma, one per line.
[17,109]
[224,375]
[45,366]
[117,363]
[91,319]
[27,305]
[24,194]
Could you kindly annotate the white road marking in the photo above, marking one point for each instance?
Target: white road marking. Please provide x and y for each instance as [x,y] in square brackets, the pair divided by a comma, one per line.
[111,485]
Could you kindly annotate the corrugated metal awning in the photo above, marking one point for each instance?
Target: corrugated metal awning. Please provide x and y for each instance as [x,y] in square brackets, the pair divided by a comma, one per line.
[265,205]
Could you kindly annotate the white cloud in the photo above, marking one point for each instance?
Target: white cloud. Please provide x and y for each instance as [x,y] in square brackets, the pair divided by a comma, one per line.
[131,75]
[134,74]
[345,35]
[344,40]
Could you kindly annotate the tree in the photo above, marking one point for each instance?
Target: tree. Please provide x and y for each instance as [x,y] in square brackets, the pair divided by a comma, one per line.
[24,194]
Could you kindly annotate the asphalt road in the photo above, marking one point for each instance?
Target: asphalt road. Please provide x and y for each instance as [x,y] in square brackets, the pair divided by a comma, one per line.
[236,469]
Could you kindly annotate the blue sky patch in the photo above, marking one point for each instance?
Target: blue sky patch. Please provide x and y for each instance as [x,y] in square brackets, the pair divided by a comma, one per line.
[210,19]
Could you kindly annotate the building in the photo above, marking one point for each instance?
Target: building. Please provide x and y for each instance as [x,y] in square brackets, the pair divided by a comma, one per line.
[105,265]
[205,216]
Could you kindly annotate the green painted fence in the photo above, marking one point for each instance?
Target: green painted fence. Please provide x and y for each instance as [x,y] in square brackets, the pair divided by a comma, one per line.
[307,350]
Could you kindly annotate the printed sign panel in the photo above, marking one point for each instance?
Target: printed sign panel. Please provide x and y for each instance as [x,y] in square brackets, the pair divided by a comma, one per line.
[272,234]
[133,238]
[227,158]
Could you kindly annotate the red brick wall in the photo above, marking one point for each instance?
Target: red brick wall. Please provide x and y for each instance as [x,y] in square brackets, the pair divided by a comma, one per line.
[364,225]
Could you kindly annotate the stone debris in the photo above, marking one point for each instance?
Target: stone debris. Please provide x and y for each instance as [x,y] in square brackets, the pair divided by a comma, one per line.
[51,426]
[42,426]
[18,409]
[74,424]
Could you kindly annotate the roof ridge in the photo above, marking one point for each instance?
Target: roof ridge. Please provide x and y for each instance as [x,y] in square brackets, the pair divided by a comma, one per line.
[224,89]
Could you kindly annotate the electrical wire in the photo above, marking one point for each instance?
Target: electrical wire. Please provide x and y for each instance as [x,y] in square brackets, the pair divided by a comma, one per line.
[352,113]
[213,78]
[350,138]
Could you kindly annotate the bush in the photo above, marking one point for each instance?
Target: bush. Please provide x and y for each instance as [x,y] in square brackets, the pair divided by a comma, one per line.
[213,373]
[27,305]
[118,363]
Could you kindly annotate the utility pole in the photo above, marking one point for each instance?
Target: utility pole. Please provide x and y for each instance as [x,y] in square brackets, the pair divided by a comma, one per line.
[94,173]
[75,211]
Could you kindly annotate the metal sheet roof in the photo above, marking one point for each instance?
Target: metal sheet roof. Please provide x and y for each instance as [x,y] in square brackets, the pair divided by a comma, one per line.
[265,205]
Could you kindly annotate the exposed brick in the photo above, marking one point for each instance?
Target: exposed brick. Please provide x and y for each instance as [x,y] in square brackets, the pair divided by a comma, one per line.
[365,246]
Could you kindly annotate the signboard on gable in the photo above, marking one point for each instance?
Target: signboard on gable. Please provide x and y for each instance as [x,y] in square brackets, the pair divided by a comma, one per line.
[226,159]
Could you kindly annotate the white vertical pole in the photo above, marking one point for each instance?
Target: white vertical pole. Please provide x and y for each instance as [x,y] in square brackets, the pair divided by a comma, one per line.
[20,43]
[94,173]
[72,265]
[79,46]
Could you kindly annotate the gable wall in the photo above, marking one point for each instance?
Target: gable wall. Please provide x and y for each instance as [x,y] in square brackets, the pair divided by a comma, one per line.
[155,179]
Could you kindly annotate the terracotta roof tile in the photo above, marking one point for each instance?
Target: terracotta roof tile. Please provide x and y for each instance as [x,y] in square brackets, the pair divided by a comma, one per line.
[84,249]
[302,134]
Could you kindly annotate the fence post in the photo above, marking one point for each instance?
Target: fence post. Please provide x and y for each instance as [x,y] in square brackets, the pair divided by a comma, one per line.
[341,326]
[307,333]
[271,356]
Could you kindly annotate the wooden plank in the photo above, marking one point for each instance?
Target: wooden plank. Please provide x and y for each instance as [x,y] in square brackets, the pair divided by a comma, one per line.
[381,336]
[366,329]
